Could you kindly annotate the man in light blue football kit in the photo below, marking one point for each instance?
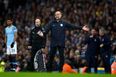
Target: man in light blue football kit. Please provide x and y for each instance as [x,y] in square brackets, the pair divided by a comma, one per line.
[10,38]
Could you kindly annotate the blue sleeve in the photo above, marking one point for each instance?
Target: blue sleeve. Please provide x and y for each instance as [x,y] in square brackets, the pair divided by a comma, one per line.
[14,29]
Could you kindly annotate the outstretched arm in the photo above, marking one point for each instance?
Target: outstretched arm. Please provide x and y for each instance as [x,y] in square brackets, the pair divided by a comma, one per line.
[70,26]
[47,28]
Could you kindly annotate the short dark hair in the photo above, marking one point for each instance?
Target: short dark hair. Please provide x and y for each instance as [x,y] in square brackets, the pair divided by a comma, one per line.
[36,18]
[96,29]
[9,18]
[59,11]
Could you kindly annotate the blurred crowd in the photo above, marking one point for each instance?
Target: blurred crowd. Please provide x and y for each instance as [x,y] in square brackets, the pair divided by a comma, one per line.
[94,13]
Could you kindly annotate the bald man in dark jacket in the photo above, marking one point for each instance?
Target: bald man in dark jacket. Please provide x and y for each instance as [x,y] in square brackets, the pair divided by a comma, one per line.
[58,28]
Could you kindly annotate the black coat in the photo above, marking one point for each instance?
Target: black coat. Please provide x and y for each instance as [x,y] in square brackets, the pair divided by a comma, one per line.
[37,42]
[106,49]
[58,31]
[93,44]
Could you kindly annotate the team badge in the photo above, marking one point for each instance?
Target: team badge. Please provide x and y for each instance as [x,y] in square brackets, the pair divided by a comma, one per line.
[61,25]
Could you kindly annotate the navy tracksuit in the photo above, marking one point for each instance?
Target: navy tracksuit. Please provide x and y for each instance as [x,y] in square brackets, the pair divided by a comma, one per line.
[105,52]
[58,40]
[93,43]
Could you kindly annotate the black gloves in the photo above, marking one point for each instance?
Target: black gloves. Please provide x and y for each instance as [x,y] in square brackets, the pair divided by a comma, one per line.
[12,44]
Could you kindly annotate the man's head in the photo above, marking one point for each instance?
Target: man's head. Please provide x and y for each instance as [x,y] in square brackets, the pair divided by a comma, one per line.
[37,22]
[94,31]
[58,15]
[9,21]
[102,31]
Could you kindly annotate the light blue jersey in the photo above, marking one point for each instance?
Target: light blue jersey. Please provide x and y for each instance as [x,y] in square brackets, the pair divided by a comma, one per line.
[10,32]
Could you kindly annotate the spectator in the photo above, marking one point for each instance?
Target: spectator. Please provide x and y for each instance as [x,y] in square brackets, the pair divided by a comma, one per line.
[57,28]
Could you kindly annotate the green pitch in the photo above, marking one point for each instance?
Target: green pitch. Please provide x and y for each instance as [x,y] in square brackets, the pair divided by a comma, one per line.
[36,74]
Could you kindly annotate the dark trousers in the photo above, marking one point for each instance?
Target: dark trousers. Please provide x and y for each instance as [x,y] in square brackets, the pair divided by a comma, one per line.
[106,62]
[91,62]
[52,55]
[31,62]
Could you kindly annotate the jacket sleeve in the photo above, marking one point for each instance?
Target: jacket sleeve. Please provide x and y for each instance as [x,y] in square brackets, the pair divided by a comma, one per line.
[72,27]
[30,39]
[47,28]
[44,38]
[107,41]
[44,42]
[86,40]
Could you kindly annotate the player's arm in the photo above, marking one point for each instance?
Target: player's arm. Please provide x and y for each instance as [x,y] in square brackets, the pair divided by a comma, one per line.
[15,36]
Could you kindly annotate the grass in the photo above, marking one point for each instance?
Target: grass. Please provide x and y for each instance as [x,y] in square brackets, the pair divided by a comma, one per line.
[37,74]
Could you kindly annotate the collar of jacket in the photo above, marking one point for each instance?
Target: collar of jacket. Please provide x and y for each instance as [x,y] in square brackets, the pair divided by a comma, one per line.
[38,27]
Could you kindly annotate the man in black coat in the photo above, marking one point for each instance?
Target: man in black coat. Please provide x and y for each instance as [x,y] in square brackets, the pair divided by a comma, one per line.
[37,41]
[92,41]
[105,49]
[58,28]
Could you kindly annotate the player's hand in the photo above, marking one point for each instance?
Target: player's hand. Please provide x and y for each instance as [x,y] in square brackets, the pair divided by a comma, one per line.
[12,45]
[85,28]
[40,33]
